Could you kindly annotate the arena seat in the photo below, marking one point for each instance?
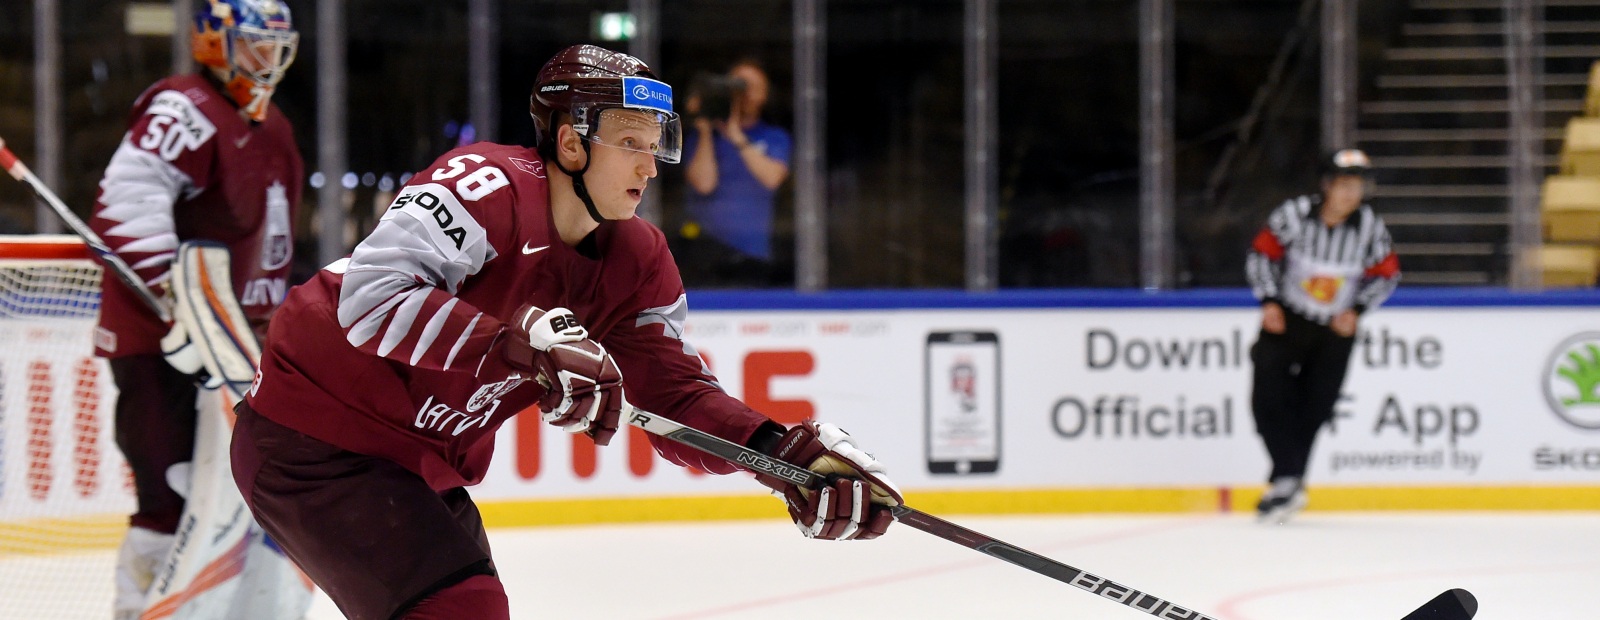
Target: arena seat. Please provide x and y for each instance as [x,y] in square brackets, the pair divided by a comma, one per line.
[1571,208]
[1569,265]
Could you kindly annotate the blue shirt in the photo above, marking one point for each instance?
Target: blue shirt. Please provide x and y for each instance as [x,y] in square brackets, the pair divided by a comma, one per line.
[739,211]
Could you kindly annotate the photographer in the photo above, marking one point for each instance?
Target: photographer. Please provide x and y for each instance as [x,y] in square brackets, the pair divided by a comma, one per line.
[736,163]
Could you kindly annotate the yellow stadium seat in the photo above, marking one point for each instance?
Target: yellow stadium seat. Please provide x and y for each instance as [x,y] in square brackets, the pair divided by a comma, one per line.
[1580,150]
[1571,206]
[1591,99]
[1569,265]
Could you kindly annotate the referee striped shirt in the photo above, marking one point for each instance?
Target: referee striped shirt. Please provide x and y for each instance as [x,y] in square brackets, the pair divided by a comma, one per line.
[1319,271]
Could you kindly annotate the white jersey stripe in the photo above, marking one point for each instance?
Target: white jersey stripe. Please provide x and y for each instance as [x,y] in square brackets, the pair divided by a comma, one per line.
[153,243]
[465,333]
[404,316]
[142,226]
[431,330]
[159,259]
[367,327]
[140,204]
[138,182]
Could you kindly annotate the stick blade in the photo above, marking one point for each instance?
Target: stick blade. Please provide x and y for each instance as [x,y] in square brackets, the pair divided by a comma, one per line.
[1455,604]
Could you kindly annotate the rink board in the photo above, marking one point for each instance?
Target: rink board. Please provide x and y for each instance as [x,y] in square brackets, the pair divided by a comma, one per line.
[1117,401]
[1081,401]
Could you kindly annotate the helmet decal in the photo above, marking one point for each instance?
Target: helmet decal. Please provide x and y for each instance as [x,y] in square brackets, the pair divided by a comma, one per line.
[646,93]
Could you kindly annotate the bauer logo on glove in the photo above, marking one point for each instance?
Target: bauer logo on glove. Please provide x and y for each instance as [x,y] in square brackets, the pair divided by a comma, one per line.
[583,382]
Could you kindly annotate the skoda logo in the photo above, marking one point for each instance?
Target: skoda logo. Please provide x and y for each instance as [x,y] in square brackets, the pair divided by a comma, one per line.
[1572,380]
[641,92]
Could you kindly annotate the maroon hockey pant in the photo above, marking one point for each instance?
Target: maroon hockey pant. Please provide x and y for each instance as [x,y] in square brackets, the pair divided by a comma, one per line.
[370,533]
[1298,375]
[155,422]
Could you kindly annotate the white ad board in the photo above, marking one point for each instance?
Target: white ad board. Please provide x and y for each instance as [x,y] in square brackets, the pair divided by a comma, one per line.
[983,399]
[1123,397]
[58,455]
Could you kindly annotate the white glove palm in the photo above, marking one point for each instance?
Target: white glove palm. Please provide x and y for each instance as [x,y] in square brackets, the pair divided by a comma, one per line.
[183,354]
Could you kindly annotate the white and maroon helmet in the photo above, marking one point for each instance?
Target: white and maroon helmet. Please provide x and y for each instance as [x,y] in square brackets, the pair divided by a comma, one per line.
[607,94]
[586,80]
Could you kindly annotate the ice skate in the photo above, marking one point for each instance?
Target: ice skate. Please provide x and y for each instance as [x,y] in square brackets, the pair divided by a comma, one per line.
[1284,500]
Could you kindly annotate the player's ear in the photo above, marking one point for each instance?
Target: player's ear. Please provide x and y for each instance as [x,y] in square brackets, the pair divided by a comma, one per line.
[569,147]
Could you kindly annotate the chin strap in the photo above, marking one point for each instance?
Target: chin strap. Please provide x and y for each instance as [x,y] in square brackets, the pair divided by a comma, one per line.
[577,181]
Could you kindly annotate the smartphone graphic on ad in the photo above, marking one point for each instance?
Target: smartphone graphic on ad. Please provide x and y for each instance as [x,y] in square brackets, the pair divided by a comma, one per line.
[962,400]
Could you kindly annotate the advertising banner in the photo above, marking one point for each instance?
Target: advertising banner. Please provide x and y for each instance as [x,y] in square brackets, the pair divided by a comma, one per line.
[1121,397]
[982,399]
[58,456]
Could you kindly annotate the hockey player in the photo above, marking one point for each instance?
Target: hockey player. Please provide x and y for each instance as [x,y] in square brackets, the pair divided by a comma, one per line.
[499,279]
[206,156]
[1321,261]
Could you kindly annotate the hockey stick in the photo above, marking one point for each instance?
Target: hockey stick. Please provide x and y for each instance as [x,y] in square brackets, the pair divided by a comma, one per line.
[1443,607]
[1456,603]
[20,172]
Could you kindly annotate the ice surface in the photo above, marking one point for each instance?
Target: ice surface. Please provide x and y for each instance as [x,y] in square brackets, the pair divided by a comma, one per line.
[1345,566]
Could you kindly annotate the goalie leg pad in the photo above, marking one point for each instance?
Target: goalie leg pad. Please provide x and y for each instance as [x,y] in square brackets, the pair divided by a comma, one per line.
[208,311]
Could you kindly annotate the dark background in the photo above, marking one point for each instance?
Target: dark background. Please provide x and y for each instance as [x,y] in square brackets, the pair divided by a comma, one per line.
[1068,117]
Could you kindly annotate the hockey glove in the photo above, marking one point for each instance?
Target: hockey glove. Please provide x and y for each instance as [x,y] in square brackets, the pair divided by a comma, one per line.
[853,504]
[183,354]
[584,386]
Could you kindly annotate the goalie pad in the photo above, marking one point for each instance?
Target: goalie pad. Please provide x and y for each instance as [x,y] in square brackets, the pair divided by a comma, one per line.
[221,564]
[209,313]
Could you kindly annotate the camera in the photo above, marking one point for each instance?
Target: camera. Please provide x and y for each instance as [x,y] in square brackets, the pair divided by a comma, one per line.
[716,93]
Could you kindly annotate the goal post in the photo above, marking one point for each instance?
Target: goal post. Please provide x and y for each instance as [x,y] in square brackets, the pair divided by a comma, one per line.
[65,490]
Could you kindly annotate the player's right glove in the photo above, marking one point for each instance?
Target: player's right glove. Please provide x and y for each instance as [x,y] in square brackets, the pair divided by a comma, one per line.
[854,503]
[582,382]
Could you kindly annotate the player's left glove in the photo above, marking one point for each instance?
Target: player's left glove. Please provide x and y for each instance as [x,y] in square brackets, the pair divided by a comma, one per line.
[183,354]
[854,503]
[583,384]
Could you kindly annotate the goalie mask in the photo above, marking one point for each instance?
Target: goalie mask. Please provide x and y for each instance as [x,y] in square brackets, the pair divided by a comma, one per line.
[613,100]
[248,44]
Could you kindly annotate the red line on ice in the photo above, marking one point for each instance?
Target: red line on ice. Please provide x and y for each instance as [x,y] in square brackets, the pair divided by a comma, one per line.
[926,572]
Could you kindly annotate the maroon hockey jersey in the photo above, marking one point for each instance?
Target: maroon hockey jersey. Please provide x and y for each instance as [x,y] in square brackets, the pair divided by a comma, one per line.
[190,167]
[395,351]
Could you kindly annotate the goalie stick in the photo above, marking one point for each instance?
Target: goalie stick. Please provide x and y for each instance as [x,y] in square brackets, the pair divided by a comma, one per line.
[119,267]
[1452,605]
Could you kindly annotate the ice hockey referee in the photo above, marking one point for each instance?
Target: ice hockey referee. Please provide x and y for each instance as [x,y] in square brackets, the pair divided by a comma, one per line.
[1319,263]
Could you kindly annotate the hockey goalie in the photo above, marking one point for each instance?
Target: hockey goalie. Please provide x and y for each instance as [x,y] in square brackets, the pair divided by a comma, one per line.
[206,157]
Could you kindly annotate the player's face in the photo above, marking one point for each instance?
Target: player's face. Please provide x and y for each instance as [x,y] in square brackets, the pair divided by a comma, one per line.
[755,87]
[624,161]
[1344,193]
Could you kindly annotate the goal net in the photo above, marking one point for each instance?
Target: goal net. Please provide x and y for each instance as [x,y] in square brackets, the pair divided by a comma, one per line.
[65,491]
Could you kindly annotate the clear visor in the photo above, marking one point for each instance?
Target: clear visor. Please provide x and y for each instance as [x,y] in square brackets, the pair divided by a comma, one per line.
[652,132]
[261,54]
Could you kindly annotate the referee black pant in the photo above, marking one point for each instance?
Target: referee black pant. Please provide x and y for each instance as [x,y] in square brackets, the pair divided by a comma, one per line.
[1298,375]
